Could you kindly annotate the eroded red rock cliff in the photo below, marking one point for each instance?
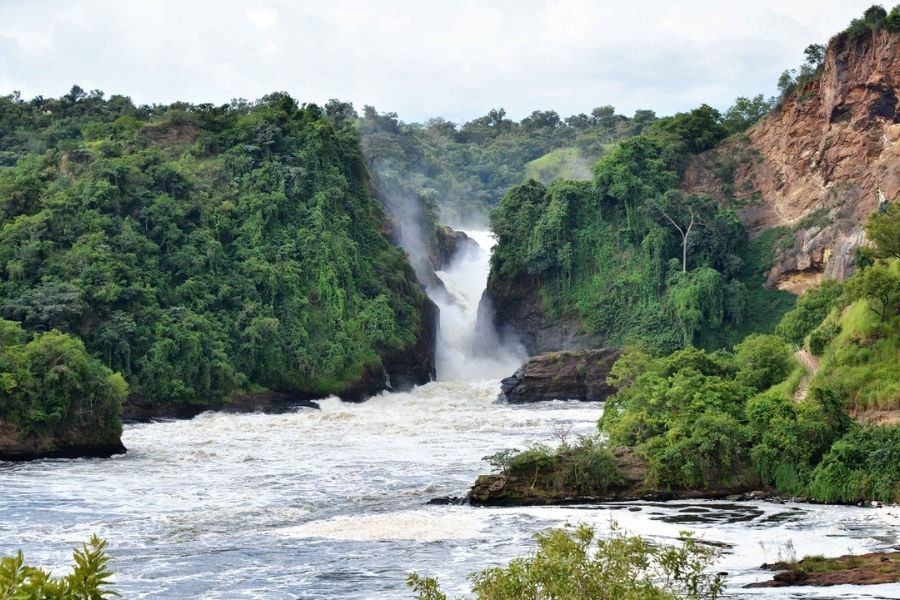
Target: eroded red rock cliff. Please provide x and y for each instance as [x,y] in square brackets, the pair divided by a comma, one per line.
[821,164]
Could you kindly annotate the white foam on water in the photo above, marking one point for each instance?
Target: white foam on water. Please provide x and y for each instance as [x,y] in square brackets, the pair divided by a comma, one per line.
[331,503]
[414,525]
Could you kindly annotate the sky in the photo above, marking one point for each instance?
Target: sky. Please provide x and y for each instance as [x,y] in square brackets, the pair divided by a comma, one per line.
[419,58]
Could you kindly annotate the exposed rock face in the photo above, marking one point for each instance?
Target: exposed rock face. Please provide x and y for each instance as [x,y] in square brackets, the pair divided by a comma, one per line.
[579,375]
[516,311]
[450,242]
[820,165]
[71,444]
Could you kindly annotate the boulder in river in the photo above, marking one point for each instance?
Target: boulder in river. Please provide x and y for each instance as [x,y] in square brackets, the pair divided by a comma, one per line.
[575,375]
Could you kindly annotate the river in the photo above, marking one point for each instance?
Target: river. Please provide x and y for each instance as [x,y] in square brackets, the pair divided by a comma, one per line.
[331,503]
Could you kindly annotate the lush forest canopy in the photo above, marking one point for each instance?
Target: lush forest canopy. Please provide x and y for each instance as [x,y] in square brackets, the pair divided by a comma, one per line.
[198,250]
[663,272]
[50,385]
[632,256]
[755,415]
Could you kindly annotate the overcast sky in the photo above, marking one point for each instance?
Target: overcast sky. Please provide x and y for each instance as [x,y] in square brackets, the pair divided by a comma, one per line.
[419,58]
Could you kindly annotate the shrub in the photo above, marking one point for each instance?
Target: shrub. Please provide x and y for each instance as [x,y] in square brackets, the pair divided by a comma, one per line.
[823,335]
[89,579]
[790,437]
[699,453]
[574,564]
[862,465]
[763,360]
[811,308]
[587,467]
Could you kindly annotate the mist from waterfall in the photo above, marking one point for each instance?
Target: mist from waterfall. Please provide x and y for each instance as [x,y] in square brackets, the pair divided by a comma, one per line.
[465,353]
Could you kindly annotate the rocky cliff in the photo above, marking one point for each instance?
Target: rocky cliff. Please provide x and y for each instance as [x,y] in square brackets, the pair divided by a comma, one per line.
[516,310]
[562,376]
[819,165]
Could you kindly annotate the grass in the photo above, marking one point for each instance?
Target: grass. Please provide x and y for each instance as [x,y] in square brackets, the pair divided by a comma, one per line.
[863,360]
[563,163]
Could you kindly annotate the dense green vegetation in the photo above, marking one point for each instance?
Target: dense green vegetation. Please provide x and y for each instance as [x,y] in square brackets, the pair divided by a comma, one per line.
[467,168]
[200,250]
[586,467]
[576,564]
[89,579]
[694,414]
[711,420]
[858,341]
[630,255]
[461,171]
[50,385]
[704,419]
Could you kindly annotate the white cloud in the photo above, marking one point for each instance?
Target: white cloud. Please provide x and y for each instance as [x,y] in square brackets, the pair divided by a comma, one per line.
[456,58]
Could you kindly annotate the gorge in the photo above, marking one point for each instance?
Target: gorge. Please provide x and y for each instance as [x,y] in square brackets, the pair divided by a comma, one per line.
[266,305]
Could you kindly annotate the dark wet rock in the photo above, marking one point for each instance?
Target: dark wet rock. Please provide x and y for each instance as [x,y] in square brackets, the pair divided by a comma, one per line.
[68,444]
[515,309]
[754,495]
[863,569]
[447,500]
[576,375]
[448,244]
[265,402]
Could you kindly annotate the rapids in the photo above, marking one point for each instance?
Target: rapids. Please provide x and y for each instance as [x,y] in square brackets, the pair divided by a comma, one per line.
[331,503]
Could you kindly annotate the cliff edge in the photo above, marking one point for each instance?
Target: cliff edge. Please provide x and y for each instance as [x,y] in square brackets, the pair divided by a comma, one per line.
[819,165]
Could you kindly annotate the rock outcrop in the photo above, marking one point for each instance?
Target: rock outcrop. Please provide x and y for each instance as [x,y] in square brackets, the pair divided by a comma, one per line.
[69,444]
[631,485]
[448,243]
[577,375]
[819,165]
[516,311]
[861,569]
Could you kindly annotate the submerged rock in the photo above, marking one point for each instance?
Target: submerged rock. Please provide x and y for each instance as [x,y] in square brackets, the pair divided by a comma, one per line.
[269,402]
[576,375]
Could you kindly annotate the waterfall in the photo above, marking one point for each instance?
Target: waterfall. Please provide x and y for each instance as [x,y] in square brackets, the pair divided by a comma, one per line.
[461,354]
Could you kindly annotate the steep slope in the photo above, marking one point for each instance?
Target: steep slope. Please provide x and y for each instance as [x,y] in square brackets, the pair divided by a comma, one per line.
[819,165]
[207,252]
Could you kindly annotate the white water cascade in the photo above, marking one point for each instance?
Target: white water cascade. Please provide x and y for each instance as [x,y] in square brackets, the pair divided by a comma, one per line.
[333,503]
[463,353]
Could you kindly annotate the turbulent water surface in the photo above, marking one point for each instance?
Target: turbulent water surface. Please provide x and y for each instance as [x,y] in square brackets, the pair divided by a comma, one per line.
[332,503]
